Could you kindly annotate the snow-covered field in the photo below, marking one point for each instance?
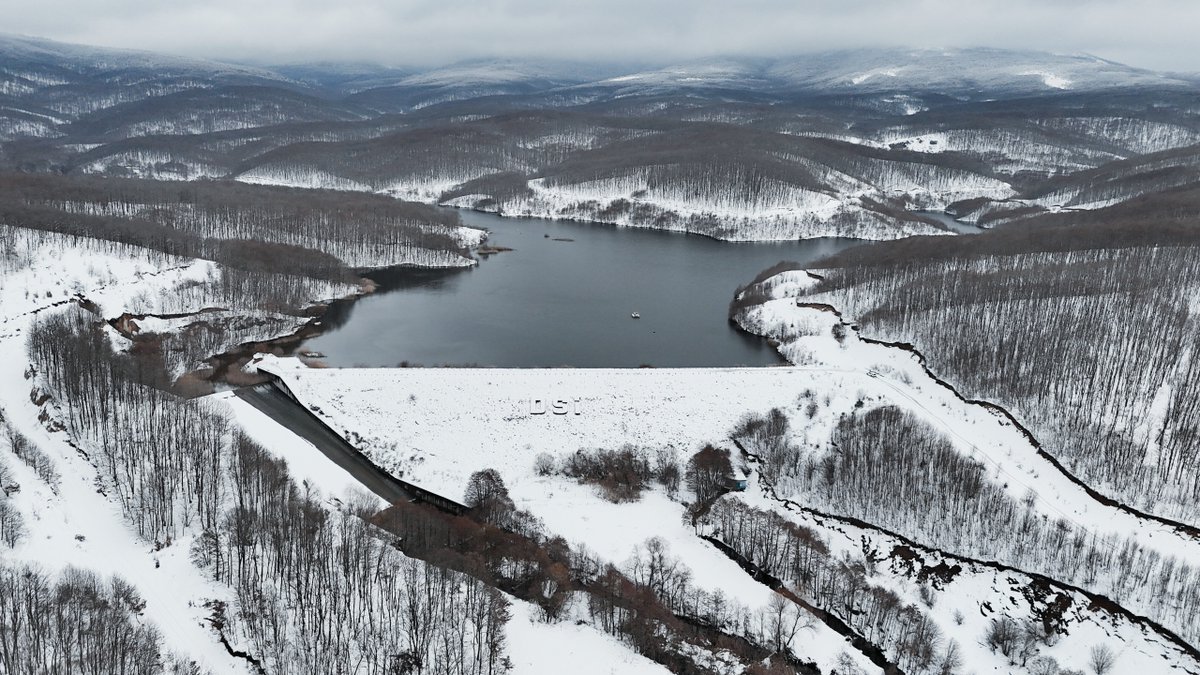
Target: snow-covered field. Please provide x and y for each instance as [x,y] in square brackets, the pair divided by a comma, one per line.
[537,648]
[436,426]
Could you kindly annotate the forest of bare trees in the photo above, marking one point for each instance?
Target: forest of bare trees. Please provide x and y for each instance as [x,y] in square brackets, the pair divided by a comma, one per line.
[314,588]
[1091,349]
[314,232]
[887,467]
[12,525]
[801,559]
[76,622]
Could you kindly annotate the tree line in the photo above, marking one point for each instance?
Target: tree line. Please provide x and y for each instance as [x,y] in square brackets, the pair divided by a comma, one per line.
[648,602]
[316,233]
[1092,349]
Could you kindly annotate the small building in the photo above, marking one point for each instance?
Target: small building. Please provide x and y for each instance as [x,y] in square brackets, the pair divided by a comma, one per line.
[737,481]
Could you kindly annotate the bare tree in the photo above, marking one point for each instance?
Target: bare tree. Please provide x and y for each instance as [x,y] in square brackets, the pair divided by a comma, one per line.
[1101,659]
[784,620]
[543,464]
[488,497]
[707,473]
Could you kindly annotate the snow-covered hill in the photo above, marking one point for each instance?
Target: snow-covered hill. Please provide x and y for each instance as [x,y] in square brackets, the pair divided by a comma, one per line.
[38,54]
[843,143]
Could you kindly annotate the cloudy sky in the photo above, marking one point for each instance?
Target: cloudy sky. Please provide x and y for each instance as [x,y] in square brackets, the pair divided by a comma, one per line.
[1156,34]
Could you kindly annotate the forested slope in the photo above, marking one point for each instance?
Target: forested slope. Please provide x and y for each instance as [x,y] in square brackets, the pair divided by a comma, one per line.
[1090,342]
[899,450]
[102,469]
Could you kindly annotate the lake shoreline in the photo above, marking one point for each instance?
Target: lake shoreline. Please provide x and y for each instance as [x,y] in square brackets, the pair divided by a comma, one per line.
[329,318]
[550,303]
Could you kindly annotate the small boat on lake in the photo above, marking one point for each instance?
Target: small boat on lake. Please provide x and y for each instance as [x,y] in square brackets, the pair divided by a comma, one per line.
[635,315]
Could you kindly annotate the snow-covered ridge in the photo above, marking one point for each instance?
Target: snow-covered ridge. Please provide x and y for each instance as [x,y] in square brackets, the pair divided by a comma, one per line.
[974,70]
[40,50]
[967,71]
[978,69]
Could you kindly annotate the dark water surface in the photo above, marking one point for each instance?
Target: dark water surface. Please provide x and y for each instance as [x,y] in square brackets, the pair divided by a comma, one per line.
[566,303]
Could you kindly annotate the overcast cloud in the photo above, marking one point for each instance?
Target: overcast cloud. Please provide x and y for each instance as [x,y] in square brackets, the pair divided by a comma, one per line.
[1159,34]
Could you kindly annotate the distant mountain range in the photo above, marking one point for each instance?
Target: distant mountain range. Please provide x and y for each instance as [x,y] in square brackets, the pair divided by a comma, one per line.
[849,143]
[33,63]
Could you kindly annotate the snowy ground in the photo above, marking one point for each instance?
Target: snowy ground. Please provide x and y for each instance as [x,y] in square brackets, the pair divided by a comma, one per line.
[306,463]
[537,648]
[495,430]
[436,426]
[80,527]
[74,524]
[966,605]
[613,532]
